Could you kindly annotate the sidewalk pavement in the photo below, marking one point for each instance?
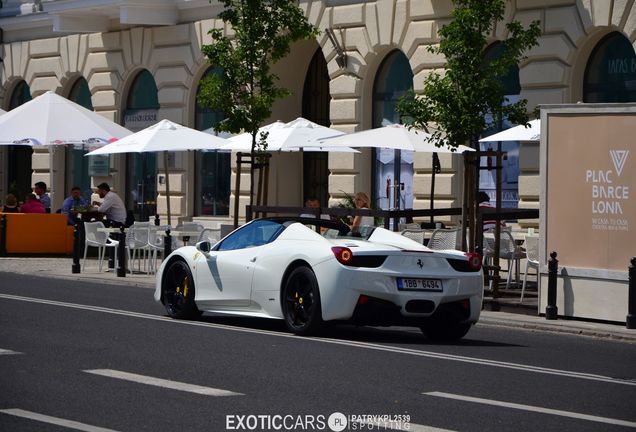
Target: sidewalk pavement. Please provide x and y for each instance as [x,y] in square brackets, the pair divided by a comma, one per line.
[60,268]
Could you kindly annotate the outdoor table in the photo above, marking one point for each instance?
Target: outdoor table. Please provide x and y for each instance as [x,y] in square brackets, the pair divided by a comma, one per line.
[184,235]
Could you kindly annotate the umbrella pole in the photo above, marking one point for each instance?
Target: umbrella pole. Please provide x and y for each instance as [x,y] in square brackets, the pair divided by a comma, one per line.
[165,167]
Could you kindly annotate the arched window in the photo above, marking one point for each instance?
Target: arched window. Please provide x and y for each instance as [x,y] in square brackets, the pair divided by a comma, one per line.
[610,75]
[316,98]
[19,157]
[213,168]
[77,166]
[393,81]
[141,111]
[510,166]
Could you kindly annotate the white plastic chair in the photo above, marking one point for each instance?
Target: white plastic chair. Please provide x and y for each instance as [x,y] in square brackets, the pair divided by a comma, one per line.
[209,235]
[508,250]
[443,239]
[191,226]
[137,244]
[532,260]
[414,234]
[156,243]
[97,239]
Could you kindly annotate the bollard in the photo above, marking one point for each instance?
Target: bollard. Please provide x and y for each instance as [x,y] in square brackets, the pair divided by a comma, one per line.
[75,268]
[631,296]
[551,310]
[167,244]
[121,253]
[157,221]
[3,236]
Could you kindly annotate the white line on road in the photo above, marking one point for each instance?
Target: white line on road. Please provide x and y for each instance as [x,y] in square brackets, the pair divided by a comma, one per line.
[158,382]
[8,352]
[536,409]
[364,345]
[69,424]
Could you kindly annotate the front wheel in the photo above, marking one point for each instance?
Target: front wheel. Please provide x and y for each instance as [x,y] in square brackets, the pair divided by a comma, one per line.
[301,302]
[178,291]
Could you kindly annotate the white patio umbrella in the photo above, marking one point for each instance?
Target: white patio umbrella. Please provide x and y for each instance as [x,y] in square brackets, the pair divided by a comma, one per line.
[518,133]
[394,136]
[295,135]
[163,136]
[51,120]
[397,137]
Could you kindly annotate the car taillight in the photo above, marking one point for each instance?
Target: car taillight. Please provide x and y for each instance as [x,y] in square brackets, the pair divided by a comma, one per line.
[474,260]
[342,254]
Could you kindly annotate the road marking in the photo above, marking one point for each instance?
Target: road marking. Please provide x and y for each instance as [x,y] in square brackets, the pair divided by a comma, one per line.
[536,409]
[158,382]
[407,426]
[8,352]
[356,344]
[69,424]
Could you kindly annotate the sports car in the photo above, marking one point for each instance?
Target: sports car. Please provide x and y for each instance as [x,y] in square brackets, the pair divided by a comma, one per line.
[309,271]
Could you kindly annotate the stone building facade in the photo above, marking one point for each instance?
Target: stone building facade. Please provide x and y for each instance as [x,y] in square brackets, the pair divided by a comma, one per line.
[56,44]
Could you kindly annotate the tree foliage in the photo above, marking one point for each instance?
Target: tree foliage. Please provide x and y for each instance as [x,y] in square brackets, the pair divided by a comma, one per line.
[261,34]
[456,101]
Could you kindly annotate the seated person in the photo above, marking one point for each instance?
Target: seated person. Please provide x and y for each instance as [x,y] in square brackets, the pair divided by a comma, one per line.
[72,204]
[32,205]
[362,201]
[11,204]
[313,202]
[484,201]
[112,206]
[40,190]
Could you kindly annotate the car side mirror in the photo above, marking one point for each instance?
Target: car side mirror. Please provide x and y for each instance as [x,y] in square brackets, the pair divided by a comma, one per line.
[204,246]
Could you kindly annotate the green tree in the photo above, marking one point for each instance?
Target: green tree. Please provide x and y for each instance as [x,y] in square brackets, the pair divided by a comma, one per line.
[453,106]
[261,34]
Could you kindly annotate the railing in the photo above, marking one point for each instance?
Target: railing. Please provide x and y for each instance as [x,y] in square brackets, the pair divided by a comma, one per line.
[338,212]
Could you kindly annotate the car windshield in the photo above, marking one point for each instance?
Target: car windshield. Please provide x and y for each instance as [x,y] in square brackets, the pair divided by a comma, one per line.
[254,234]
[363,233]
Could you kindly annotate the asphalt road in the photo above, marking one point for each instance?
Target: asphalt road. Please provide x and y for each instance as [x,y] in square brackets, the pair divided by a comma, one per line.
[95,357]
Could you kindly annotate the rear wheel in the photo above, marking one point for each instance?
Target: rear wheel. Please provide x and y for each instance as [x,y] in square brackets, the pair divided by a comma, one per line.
[301,302]
[178,291]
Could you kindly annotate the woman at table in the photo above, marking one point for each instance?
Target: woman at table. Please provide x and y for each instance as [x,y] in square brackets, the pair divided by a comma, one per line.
[32,205]
[362,201]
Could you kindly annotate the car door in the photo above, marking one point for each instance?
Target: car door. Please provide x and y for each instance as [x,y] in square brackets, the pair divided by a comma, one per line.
[226,273]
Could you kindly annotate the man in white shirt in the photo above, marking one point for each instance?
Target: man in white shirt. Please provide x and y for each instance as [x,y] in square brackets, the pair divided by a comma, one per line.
[112,206]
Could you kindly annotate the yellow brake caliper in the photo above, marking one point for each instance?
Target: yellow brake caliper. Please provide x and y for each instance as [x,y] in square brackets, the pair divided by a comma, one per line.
[185,287]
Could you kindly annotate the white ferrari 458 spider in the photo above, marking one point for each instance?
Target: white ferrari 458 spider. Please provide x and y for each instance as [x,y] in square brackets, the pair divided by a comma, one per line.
[308,271]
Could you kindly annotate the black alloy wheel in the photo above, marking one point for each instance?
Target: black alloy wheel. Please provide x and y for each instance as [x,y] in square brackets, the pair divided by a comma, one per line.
[177,289]
[301,302]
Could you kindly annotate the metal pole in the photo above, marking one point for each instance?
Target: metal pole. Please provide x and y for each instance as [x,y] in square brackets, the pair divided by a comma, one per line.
[631,296]
[3,236]
[551,310]
[167,244]
[75,268]
[121,253]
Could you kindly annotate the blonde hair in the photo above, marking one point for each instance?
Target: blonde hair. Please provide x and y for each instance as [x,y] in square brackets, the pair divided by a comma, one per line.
[364,197]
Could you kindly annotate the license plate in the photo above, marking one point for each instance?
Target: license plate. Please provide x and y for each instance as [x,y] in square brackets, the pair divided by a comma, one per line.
[419,284]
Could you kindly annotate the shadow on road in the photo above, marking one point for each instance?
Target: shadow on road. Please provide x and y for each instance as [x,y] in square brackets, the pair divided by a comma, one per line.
[381,335]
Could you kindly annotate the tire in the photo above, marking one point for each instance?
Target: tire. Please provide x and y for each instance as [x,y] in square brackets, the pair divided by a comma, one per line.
[445,330]
[177,289]
[301,302]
